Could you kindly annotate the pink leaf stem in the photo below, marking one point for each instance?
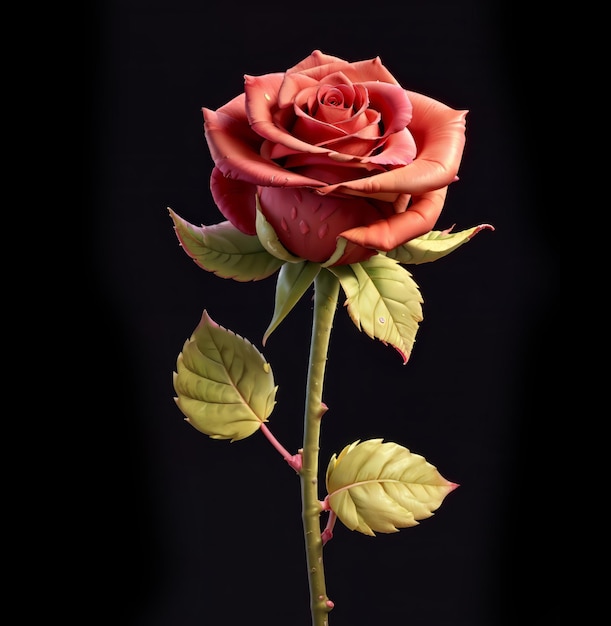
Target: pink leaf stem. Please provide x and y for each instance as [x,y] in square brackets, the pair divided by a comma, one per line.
[294,460]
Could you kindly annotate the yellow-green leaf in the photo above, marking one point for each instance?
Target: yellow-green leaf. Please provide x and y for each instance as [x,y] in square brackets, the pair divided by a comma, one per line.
[434,245]
[293,281]
[383,301]
[223,384]
[225,251]
[375,486]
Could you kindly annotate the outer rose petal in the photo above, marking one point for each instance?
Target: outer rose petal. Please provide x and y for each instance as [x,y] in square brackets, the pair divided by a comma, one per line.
[315,59]
[400,228]
[354,253]
[235,149]
[399,149]
[308,225]
[318,65]
[235,200]
[439,132]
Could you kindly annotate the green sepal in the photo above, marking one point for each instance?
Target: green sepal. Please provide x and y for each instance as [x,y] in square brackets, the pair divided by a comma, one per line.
[293,281]
[376,486]
[225,251]
[268,238]
[382,300]
[224,386]
[340,248]
[434,245]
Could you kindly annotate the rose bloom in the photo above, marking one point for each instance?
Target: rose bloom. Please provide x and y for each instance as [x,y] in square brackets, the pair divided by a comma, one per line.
[335,152]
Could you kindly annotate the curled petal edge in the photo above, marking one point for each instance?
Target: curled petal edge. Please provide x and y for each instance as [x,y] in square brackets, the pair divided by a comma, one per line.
[387,234]
[440,134]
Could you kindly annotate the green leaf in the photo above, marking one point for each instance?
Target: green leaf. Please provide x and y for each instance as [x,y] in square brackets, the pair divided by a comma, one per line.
[381,487]
[293,281]
[434,245]
[224,385]
[383,301]
[225,251]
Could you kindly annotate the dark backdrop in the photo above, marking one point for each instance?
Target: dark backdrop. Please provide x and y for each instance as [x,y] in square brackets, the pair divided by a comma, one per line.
[196,532]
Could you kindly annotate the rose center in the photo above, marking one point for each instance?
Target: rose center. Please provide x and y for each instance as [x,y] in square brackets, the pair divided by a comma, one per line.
[334,98]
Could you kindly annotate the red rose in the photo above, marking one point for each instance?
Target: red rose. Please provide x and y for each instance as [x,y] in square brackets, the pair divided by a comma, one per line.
[336,152]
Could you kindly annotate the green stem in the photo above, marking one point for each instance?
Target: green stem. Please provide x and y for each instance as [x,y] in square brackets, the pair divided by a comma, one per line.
[326,292]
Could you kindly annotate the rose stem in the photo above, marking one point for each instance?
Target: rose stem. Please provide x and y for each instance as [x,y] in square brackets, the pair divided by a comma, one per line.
[326,291]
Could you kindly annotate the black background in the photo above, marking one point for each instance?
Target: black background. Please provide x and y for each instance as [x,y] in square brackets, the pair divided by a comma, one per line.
[195,532]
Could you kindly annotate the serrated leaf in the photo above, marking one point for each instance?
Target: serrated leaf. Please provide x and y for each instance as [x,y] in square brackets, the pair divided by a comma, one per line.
[383,301]
[224,386]
[294,279]
[375,486]
[225,251]
[434,245]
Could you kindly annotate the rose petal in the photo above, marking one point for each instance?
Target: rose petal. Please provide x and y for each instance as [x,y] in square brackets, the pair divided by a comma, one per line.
[400,204]
[308,225]
[260,98]
[294,84]
[439,132]
[315,131]
[399,149]
[393,104]
[356,144]
[235,150]
[236,200]
[228,124]
[269,131]
[363,125]
[354,253]
[400,228]
[319,65]
[316,58]
[328,171]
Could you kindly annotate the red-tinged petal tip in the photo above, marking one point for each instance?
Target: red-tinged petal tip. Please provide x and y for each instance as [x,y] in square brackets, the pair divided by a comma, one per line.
[453,486]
